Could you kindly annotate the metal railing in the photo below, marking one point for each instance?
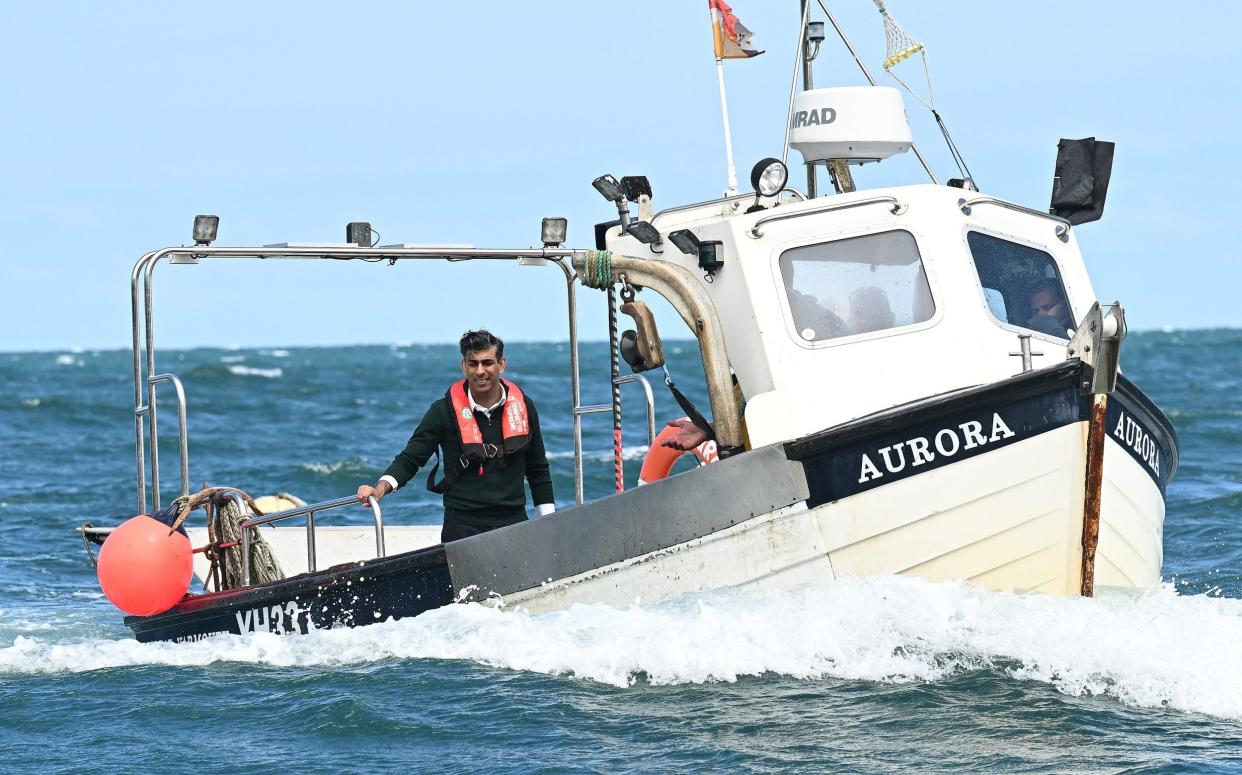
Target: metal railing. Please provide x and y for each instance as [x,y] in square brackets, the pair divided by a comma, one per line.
[309,512]
[898,207]
[148,410]
[1063,226]
[580,411]
[142,314]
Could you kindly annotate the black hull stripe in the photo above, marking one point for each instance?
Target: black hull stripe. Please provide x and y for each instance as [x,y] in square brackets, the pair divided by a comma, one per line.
[345,596]
[1154,429]
[922,436]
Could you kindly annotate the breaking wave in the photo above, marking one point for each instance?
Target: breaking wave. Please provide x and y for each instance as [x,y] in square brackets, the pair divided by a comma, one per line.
[1155,649]
[251,371]
[354,466]
[637,452]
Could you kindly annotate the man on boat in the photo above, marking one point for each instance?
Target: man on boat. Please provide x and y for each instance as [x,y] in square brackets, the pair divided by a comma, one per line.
[1049,312]
[488,434]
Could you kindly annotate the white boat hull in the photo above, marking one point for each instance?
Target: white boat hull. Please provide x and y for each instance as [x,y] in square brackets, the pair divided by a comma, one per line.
[987,485]
[1007,520]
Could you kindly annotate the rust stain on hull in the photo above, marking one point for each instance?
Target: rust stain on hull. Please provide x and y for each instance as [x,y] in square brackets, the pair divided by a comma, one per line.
[1091,496]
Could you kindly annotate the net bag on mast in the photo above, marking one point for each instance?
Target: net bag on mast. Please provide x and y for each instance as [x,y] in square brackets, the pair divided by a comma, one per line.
[900,46]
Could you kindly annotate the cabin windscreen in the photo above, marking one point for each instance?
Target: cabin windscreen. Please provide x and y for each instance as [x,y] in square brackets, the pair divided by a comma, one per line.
[1021,285]
[856,286]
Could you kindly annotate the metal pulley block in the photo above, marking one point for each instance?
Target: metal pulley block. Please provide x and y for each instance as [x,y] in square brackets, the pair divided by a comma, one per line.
[641,346]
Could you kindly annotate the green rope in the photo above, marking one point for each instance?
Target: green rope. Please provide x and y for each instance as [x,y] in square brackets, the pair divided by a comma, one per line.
[597,273]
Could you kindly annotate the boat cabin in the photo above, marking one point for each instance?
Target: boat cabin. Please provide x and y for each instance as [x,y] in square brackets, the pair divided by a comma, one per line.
[840,306]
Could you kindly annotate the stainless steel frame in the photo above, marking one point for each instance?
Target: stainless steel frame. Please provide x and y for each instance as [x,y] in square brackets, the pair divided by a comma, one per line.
[690,301]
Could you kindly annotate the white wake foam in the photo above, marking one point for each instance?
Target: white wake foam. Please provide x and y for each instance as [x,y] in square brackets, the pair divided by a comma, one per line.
[1156,649]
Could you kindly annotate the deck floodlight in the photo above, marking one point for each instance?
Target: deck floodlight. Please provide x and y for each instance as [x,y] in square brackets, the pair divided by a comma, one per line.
[769,177]
[645,233]
[685,241]
[608,187]
[552,233]
[709,252]
[634,186]
[205,229]
[359,233]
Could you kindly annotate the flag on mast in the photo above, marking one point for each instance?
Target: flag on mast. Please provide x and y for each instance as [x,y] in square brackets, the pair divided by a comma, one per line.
[731,38]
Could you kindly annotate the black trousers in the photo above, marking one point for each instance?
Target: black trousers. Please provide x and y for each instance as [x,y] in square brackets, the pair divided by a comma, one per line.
[455,531]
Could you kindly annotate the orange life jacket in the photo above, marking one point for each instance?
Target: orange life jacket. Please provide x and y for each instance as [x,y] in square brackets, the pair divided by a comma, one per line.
[515,430]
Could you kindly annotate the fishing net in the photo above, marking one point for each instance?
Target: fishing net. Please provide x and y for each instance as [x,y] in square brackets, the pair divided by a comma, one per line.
[900,45]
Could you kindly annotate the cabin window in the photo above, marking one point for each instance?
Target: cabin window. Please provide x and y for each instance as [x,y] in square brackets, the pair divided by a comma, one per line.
[856,286]
[1021,285]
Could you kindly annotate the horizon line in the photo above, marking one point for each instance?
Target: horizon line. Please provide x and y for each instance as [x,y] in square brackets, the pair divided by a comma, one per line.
[404,344]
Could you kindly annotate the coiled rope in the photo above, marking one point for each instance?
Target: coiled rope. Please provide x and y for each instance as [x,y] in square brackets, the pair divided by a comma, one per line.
[224,533]
[597,273]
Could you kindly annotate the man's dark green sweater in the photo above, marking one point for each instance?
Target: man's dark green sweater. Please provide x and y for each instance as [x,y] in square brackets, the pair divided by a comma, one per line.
[497,497]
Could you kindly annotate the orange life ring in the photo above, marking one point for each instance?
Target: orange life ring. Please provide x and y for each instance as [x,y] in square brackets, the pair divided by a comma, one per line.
[660,459]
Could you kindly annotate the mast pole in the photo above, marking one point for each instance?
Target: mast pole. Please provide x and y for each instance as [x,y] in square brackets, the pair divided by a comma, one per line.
[808,83]
[728,135]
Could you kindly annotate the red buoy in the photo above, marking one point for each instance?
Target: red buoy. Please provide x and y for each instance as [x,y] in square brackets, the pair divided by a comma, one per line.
[144,568]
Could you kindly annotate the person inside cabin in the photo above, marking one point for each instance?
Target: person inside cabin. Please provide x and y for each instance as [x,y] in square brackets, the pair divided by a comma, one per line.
[813,319]
[870,310]
[1050,313]
[487,433]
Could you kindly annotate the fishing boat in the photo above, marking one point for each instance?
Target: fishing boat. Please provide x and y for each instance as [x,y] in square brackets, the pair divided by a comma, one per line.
[915,379]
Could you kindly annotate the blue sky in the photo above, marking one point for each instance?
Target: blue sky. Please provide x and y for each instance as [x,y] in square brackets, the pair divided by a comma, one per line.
[469,122]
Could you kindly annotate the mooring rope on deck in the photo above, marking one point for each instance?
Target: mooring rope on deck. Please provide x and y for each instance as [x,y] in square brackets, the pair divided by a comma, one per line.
[224,530]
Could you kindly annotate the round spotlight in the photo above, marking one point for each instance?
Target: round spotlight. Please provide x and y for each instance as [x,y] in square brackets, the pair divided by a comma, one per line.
[768,177]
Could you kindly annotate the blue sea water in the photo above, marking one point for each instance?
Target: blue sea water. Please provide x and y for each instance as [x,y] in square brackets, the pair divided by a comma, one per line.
[873,675]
